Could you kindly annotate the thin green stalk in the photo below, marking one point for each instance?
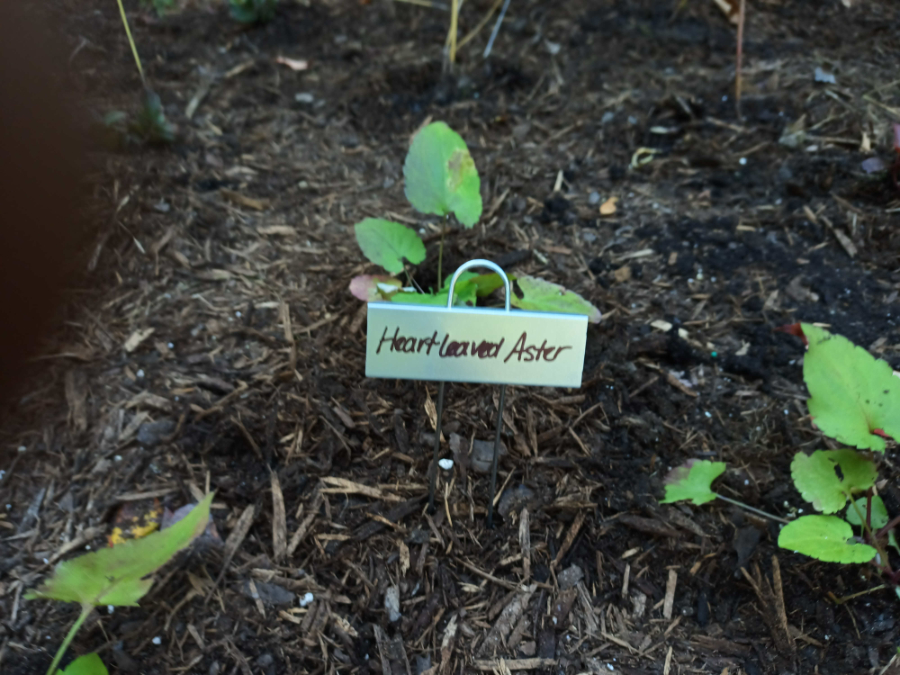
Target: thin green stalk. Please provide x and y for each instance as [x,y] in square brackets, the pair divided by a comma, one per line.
[441,258]
[746,507]
[85,610]
[137,59]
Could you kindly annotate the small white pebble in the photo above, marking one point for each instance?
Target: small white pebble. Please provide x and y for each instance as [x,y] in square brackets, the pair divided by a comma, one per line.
[87,547]
[306,599]
[140,373]
[46,562]
[724,98]
[445,464]
[707,413]
[157,640]
[22,448]
[746,481]
[118,458]
[238,314]
[742,161]
[110,609]
[171,345]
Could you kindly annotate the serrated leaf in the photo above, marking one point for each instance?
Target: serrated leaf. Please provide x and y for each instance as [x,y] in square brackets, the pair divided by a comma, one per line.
[692,481]
[116,576]
[374,287]
[440,175]
[89,664]
[879,512]
[544,296]
[825,538]
[827,478]
[387,243]
[853,395]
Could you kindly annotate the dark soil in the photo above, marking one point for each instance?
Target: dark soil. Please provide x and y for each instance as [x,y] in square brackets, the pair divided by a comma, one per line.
[726,233]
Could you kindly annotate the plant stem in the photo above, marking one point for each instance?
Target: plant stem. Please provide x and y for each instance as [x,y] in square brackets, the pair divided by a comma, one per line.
[887,528]
[85,610]
[739,58]
[751,509]
[137,59]
[870,537]
[454,22]
[441,258]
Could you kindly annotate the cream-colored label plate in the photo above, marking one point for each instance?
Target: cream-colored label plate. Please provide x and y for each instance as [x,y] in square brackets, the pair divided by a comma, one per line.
[412,342]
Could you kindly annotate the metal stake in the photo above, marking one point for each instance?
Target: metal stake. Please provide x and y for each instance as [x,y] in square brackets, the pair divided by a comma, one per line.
[437,448]
[432,483]
[490,520]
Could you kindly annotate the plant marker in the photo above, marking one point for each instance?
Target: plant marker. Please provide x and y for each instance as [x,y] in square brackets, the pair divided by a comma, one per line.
[453,344]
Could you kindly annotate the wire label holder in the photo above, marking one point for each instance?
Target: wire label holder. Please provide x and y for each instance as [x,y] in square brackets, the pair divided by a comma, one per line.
[464,344]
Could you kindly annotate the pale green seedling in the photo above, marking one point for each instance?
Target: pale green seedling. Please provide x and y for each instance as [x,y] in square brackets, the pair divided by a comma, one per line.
[854,398]
[119,575]
[440,179]
[853,395]
[825,538]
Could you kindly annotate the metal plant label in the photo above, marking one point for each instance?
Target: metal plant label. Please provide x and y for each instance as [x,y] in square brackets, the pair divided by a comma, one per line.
[493,346]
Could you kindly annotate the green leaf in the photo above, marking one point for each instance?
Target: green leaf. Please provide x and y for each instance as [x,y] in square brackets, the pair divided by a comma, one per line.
[116,576]
[440,175]
[827,478]
[692,481]
[89,664]
[825,538]
[464,295]
[387,243]
[852,394]
[488,283]
[374,287]
[879,512]
[544,296]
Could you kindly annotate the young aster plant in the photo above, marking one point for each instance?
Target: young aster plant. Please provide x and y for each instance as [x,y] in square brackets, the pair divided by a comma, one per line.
[440,179]
[855,399]
[117,576]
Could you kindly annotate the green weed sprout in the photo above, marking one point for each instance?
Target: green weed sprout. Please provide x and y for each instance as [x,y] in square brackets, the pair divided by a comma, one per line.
[440,179]
[252,11]
[117,576]
[855,399]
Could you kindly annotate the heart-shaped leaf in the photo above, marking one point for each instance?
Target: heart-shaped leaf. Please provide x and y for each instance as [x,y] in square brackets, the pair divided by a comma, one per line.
[440,175]
[825,538]
[116,576]
[854,397]
[387,243]
[544,296]
[827,478]
[692,481]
